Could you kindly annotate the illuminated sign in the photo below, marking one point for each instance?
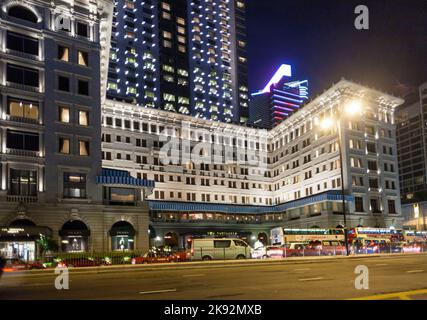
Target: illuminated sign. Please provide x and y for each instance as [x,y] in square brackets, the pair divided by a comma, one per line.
[285,70]
[12,230]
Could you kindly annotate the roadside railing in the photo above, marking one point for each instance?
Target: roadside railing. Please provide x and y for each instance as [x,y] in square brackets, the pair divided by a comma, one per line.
[105,259]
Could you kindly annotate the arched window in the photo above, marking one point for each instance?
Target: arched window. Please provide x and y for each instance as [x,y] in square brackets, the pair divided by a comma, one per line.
[22,13]
[122,236]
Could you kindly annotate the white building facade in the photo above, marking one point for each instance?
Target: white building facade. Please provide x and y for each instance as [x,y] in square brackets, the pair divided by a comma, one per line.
[213,178]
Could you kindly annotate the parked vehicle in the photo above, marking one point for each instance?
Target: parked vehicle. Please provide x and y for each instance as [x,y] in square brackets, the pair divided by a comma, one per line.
[79,263]
[267,252]
[219,249]
[156,257]
[13,265]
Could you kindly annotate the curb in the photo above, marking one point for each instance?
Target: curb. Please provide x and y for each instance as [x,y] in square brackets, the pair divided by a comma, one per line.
[202,265]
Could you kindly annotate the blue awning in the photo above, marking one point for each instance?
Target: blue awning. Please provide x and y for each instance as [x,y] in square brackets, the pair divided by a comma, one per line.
[242,209]
[119,177]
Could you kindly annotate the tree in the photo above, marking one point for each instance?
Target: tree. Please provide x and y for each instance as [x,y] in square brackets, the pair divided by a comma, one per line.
[47,244]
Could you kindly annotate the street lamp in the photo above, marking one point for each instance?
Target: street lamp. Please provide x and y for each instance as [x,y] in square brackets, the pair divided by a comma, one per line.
[352,109]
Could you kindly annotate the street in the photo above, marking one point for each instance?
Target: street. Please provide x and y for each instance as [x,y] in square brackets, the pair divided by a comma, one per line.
[323,279]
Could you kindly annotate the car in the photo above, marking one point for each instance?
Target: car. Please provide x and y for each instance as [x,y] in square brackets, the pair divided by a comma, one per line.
[79,263]
[411,248]
[267,252]
[156,257]
[13,265]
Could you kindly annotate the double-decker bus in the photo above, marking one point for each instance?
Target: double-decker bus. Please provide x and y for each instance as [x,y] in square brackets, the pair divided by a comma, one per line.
[281,236]
[415,236]
[380,235]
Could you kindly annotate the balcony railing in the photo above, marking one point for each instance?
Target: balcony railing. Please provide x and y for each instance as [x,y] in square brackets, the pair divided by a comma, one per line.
[22,120]
[23,153]
[23,199]
[22,54]
[22,87]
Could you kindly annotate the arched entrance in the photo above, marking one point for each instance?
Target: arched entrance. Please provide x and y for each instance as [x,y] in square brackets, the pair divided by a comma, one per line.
[171,240]
[340,226]
[122,236]
[74,236]
[263,238]
[19,239]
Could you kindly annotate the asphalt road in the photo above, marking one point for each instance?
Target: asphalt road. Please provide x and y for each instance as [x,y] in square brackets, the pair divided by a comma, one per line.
[325,279]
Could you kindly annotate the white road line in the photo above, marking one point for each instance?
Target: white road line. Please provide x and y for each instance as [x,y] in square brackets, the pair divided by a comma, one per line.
[311,279]
[193,275]
[415,271]
[305,269]
[156,292]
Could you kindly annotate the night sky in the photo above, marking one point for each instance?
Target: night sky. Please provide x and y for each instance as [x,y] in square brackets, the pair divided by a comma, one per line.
[318,38]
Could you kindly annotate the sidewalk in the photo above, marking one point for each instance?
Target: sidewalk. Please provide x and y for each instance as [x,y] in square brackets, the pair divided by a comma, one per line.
[201,265]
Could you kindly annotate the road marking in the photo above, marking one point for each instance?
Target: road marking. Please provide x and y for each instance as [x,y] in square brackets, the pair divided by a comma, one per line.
[415,271]
[157,292]
[193,275]
[400,295]
[304,269]
[312,279]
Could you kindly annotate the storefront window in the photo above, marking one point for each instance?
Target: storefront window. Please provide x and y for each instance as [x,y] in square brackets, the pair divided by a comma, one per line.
[74,236]
[122,236]
[18,250]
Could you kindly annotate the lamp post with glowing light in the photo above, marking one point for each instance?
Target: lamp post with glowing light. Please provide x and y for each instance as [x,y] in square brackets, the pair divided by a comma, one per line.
[351,110]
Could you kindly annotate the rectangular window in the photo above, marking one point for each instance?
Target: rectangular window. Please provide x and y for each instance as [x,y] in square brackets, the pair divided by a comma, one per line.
[83,148]
[64,83]
[63,53]
[64,114]
[23,109]
[21,43]
[74,185]
[83,58]
[84,118]
[64,146]
[22,75]
[82,29]
[392,207]
[83,87]
[23,183]
[20,140]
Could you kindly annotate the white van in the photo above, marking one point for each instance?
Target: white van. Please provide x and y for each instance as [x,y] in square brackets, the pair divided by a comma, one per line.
[219,249]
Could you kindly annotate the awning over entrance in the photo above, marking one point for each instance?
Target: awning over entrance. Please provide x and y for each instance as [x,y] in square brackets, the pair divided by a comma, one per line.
[122,228]
[23,232]
[242,209]
[74,228]
[123,178]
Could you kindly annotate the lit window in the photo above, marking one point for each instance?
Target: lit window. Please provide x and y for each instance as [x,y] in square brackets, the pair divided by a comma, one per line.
[83,58]
[180,21]
[63,53]
[64,145]
[83,118]
[23,109]
[64,114]
[83,148]
[166,6]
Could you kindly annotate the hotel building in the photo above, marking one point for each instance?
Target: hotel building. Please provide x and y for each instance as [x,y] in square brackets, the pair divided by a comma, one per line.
[185,57]
[220,179]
